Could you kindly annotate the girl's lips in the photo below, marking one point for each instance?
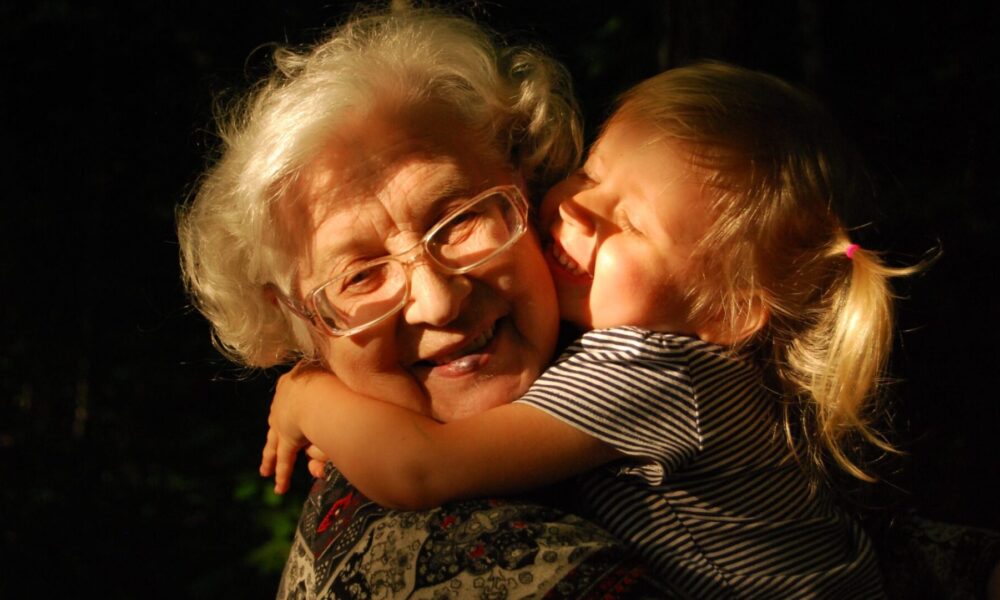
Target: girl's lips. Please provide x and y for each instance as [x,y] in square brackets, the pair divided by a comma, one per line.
[564,268]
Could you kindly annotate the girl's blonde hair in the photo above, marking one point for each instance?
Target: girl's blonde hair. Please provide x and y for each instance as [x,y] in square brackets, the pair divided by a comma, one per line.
[517,101]
[775,169]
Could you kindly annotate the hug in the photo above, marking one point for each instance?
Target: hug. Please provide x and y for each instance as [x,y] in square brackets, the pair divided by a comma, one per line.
[404,210]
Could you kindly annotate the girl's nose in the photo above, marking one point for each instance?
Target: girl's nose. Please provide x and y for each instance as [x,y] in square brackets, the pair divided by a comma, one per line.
[435,298]
[576,215]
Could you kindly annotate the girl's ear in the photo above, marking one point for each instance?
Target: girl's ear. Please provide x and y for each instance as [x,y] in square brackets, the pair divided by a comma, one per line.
[745,325]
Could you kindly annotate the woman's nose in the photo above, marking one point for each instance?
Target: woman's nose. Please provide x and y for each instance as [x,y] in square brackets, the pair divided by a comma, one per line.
[435,298]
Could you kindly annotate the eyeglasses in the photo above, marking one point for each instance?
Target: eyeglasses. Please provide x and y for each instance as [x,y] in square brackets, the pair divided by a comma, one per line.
[466,238]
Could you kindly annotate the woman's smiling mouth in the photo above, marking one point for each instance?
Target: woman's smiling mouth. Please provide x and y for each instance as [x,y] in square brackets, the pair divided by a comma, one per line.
[480,342]
[468,358]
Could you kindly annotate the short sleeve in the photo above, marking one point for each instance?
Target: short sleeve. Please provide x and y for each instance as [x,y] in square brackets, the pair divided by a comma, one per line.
[631,389]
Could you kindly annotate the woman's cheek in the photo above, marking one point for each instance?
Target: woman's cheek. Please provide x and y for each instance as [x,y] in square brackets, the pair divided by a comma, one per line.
[371,366]
[539,309]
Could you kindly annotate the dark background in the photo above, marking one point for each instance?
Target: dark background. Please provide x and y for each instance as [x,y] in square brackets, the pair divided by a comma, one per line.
[128,446]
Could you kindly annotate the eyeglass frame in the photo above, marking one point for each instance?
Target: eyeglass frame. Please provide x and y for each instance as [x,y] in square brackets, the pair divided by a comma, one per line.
[310,313]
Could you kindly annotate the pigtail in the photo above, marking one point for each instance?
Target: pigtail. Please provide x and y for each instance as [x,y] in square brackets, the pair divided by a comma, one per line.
[836,363]
[777,277]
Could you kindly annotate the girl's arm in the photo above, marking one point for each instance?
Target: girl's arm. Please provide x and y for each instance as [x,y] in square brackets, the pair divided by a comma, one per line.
[402,459]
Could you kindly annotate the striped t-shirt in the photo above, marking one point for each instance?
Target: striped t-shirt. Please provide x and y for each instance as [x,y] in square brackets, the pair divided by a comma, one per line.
[712,500]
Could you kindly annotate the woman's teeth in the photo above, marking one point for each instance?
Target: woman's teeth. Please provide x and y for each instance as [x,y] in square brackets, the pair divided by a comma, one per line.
[475,345]
[568,263]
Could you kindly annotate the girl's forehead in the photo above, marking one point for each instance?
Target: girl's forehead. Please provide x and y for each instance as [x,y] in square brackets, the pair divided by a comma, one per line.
[637,145]
[626,137]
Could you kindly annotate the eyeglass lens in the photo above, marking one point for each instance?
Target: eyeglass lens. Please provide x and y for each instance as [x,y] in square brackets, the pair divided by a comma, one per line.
[462,241]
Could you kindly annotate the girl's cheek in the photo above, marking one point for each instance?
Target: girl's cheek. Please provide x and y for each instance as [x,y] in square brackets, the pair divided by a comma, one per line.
[558,231]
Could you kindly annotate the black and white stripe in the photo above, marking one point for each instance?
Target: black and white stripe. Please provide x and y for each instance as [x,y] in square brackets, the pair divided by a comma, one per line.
[712,499]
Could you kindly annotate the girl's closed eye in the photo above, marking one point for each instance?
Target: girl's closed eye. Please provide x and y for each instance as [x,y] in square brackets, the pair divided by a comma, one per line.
[624,222]
[581,179]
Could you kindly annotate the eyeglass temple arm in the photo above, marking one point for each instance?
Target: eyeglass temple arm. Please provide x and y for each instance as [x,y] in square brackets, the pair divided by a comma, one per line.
[291,304]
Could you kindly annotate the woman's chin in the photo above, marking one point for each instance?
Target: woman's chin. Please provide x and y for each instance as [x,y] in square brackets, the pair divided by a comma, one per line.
[481,394]
[511,364]
[447,412]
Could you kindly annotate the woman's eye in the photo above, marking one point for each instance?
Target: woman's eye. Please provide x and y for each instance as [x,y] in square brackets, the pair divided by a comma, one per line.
[358,278]
[459,220]
[459,228]
[361,281]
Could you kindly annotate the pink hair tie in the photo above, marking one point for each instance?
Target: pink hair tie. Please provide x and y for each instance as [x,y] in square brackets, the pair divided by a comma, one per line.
[851,250]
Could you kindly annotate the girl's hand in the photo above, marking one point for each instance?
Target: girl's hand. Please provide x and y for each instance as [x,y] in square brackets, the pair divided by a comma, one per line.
[281,462]
[278,459]
[317,460]
[285,437]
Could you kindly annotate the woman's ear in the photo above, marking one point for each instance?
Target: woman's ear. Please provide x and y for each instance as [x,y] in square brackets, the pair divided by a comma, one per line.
[270,295]
[751,319]
[519,179]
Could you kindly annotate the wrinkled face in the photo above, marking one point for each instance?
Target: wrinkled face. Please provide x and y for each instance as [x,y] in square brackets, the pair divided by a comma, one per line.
[624,228]
[462,343]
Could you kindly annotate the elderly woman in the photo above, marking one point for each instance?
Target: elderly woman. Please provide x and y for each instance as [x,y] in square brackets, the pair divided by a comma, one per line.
[335,227]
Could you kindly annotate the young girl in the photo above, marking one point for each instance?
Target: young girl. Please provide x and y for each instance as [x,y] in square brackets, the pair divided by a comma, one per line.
[736,340]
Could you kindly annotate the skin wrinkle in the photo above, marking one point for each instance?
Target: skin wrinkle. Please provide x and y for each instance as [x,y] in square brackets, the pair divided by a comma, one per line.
[358,164]
[395,176]
[442,182]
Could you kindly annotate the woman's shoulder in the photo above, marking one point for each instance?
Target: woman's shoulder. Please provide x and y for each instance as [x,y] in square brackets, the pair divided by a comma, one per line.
[348,547]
